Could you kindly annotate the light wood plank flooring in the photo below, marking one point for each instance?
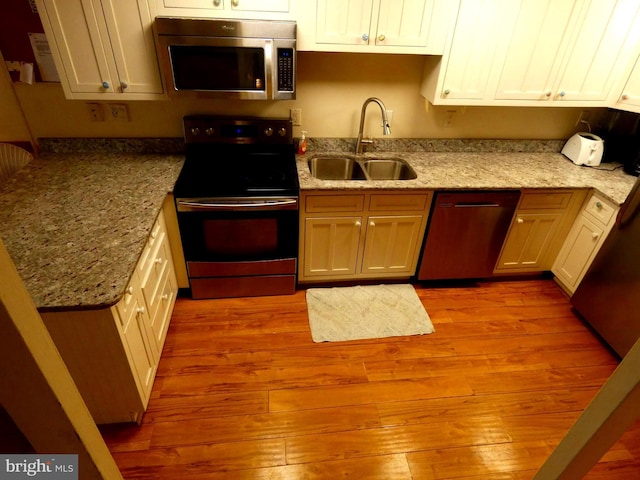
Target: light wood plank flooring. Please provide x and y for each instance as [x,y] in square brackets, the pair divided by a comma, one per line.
[243,393]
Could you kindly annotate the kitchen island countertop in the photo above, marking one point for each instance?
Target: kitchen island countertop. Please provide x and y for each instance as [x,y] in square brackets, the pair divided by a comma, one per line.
[75,224]
[473,170]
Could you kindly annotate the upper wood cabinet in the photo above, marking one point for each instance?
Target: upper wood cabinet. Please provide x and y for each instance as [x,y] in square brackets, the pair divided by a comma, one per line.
[538,53]
[381,26]
[251,9]
[102,49]
[629,98]
[566,50]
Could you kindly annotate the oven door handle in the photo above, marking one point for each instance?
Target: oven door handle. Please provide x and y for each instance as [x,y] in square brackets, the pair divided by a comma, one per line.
[245,204]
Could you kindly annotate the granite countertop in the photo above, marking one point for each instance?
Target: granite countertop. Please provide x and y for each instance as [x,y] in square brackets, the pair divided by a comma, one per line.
[76,220]
[75,224]
[481,170]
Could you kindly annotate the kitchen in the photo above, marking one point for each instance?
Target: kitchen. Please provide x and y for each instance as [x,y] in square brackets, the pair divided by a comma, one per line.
[323,77]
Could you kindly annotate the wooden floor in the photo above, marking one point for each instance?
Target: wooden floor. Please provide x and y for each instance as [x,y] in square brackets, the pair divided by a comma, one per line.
[243,393]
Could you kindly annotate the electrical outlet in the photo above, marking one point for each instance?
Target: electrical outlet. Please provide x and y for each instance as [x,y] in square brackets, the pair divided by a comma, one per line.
[118,112]
[296,116]
[583,117]
[448,118]
[13,66]
[96,112]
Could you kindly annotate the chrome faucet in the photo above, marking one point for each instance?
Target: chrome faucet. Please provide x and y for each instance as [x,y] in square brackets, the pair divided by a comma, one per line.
[386,129]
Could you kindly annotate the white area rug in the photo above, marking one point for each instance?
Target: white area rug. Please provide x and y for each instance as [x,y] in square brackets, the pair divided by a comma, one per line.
[372,311]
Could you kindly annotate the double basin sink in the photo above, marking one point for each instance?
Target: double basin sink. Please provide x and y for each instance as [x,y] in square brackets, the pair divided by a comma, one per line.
[348,167]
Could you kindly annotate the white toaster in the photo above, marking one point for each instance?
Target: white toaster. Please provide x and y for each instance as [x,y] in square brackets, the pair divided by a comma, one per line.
[584,149]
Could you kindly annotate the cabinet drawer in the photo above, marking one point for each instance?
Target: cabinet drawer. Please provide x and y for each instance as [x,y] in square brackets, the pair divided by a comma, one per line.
[550,200]
[128,303]
[413,203]
[333,203]
[157,235]
[600,209]
[151,287]
[163,303]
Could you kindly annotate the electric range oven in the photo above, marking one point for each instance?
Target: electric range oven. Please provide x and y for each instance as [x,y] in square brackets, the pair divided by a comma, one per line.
[237,206]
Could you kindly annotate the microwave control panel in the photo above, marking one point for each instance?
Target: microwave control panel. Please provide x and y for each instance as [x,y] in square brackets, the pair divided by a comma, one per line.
[285,69]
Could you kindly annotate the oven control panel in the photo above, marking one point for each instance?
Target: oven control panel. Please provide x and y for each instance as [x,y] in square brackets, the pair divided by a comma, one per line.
[233,130]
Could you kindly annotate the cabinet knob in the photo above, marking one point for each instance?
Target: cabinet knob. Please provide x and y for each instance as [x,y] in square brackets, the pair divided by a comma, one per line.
[519,220]
[365,37]
[562,93]
[548,94]
[599,205]
[216,3]
[124,85]
[235,3]
[358,224]
[140,310]
[158,260]
[595,236]
[130,290]
[165,297]
[625,97]
[105,85]
[381,38]
[372,223]
[447,91]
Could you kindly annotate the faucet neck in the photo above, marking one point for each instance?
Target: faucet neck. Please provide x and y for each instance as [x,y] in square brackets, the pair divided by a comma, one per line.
[386,128]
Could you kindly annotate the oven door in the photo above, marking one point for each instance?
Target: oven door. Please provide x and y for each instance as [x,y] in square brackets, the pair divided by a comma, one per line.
[239,243]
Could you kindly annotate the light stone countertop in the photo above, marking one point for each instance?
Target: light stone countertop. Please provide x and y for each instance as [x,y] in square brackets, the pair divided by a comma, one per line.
[76,224]
[481,171]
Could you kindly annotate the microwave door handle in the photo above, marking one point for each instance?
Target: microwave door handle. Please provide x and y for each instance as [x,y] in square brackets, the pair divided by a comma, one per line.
[281,204]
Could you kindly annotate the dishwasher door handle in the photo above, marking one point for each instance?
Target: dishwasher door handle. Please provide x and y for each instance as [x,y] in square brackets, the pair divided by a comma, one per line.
[474,205]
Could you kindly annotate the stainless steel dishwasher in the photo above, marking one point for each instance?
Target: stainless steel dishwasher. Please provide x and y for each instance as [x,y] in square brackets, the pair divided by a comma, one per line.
[465,234]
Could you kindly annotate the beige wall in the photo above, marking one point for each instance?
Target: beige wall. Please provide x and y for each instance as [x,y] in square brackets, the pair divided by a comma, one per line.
[331,90]
[12,125]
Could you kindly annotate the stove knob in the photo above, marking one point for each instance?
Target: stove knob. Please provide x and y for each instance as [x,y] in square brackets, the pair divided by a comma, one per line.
[209,131]
[268,131]
[282,132]
[195,131]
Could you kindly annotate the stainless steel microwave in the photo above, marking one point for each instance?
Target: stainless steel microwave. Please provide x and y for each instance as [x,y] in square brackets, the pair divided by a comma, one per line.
[231,59]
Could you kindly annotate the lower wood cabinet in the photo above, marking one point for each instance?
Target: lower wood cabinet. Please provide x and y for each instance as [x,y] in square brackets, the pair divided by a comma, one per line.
[361,235]
[595,221]
[113,353]
[538,228]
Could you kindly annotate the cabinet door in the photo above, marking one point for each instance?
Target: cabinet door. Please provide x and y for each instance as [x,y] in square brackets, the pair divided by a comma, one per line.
[344,22]
[404,23]
[526,244]
[129,24]
[630,97]
[534,53]
[597,50]
[331,246]
[391,244]
[472,49]
[578,251]
[79,45]
[140,345]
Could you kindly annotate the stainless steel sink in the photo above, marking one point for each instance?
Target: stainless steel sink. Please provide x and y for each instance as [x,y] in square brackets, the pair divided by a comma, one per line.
[336,168]
[388,169]
[352,168]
